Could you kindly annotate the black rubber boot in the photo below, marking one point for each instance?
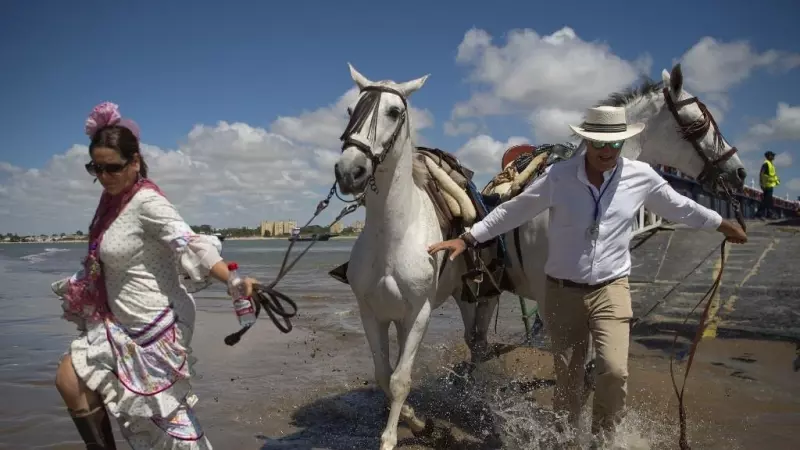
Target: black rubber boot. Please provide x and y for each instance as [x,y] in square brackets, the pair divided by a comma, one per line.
[95,429]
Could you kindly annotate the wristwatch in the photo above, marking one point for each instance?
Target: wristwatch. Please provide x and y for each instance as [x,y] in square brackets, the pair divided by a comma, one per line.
[468,238]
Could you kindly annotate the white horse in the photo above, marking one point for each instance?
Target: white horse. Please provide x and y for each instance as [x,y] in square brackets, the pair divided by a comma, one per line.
[680,133]
[391,274]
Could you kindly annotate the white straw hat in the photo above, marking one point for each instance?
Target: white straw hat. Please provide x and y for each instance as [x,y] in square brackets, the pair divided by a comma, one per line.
[607,124]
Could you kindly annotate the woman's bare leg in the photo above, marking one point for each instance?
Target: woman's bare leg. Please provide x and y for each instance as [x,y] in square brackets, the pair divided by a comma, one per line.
[85,407]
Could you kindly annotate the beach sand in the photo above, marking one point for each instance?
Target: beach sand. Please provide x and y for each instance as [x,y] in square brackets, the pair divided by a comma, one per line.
[314,388]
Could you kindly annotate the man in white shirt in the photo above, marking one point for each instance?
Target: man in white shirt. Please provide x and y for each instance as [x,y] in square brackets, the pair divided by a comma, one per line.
[592,200]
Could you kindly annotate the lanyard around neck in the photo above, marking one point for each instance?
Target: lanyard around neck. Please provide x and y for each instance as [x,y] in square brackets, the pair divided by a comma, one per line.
[597,199]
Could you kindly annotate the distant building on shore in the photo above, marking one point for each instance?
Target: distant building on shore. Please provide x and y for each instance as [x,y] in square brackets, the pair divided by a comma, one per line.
[337,228]
[271,228]
[358,226]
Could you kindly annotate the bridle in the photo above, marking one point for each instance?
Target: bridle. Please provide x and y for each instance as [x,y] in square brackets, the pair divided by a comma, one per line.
[369,104]
[695,131]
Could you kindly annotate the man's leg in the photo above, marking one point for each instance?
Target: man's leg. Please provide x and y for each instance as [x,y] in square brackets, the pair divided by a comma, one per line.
[610,314]
[768,201]
[565,319]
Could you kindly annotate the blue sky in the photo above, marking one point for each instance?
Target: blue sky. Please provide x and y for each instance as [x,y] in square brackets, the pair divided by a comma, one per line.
[174,65]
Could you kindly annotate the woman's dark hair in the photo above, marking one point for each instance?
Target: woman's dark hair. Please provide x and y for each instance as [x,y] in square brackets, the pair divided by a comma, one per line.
[123,141]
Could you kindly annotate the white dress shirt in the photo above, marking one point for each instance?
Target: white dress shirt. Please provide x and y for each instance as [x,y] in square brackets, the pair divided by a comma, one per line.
[575,253]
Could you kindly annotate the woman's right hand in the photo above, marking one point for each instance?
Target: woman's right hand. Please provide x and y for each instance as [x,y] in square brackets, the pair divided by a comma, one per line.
[454,246]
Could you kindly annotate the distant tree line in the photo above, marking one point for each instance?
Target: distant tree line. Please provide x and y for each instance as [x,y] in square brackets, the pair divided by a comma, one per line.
[227,232]
[14,237]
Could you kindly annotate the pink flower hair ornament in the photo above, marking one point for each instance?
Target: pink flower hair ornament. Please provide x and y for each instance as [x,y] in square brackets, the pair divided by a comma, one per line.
[107,114]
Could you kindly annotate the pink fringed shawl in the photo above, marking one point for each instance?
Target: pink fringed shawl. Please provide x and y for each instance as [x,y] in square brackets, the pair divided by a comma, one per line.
[86,295]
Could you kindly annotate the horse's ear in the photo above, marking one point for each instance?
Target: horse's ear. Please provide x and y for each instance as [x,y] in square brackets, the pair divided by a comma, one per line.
[360,80]
[409,87]
[674,80]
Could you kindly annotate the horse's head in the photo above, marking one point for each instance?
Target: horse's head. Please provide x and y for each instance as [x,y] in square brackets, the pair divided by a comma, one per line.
[379,126]
[683,134]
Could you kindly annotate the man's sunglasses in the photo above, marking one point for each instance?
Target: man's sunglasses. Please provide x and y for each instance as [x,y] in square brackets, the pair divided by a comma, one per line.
[616,145]
[96,169]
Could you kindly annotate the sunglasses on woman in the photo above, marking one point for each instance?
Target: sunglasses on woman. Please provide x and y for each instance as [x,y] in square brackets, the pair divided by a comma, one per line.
[96,169]
[616,145]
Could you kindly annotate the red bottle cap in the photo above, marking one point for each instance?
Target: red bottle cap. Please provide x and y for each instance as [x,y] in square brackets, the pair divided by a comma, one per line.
[233,266]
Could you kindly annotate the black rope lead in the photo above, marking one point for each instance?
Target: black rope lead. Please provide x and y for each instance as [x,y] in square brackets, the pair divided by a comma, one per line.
[272,300]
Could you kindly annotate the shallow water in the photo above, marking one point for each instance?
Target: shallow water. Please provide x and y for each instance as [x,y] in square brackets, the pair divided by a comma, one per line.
[313,387]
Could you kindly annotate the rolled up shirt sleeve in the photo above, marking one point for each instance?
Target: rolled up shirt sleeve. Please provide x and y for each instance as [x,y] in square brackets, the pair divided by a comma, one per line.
[534,199]
[669,204]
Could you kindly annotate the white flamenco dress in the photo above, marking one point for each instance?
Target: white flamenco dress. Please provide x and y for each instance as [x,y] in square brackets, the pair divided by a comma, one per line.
[140,362]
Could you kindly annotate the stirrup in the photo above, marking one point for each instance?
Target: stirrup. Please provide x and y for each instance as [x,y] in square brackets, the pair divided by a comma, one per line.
[340,273]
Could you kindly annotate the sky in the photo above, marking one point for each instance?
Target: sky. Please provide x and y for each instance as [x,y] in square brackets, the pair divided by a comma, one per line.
[241,103]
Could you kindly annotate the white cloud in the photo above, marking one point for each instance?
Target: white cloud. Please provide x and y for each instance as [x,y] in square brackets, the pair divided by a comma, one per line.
[483,154]
[785,126]
[452,128]
[783,159]
[549,124]
[228,174]
[711,66]
[549,79]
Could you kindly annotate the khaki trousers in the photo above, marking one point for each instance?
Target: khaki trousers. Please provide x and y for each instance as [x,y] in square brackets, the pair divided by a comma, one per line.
[573,314]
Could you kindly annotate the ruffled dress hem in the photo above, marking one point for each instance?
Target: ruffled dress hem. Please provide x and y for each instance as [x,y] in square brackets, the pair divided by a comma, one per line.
[145,387]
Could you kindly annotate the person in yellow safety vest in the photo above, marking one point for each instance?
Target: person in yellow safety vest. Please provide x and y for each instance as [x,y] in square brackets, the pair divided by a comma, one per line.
[769,179]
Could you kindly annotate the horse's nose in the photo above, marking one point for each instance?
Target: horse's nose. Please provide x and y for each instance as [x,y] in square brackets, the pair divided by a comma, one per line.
[742,174]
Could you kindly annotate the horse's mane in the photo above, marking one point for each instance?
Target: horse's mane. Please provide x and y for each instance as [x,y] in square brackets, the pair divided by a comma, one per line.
[646,87]
[625,97]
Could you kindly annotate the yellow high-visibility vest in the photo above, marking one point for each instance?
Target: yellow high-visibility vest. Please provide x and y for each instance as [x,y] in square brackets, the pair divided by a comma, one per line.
[769,179]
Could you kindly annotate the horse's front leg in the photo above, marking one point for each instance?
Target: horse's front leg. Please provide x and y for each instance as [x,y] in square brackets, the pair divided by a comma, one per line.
[484,311]
[415,327]
[477,318]
[407,413]
[378,339]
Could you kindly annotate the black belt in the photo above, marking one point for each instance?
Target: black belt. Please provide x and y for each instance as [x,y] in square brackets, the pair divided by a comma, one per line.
[573,284]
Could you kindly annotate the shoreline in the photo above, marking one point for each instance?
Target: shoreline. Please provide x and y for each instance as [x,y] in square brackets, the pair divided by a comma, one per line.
[248,238]
[285,238]
[45,242]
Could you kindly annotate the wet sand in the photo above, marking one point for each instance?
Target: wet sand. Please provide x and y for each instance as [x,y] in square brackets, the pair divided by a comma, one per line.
[314,389]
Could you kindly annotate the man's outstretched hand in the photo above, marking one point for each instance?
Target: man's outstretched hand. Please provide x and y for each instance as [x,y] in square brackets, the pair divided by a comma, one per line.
[733,232]
[454,247]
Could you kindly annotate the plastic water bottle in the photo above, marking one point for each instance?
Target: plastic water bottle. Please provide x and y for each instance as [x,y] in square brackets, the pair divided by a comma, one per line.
[242,304]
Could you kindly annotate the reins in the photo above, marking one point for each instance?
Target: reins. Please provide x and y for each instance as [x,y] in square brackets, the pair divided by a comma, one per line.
[266,296]
[683,442]
[272,300]
[698,335]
